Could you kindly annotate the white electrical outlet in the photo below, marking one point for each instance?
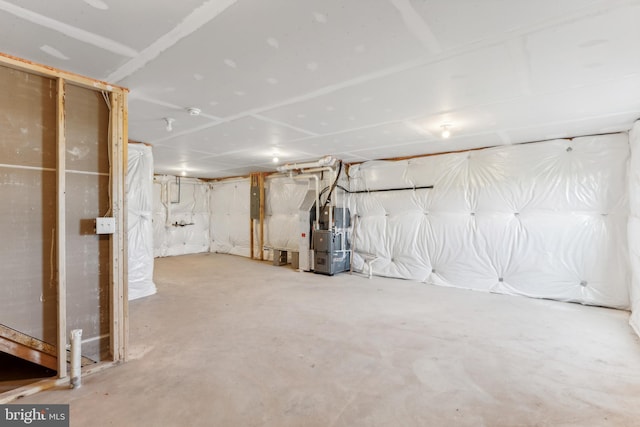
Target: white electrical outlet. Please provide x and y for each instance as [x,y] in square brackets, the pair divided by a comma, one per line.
[105,225]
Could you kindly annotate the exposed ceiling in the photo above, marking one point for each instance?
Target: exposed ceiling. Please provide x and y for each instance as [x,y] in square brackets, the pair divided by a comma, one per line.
[358,79]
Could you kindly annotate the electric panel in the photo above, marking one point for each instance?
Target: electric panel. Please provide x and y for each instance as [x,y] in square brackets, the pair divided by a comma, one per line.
[254,207]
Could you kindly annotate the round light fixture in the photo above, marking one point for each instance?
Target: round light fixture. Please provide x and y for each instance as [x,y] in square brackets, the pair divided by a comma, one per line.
[169,123]
[446,131]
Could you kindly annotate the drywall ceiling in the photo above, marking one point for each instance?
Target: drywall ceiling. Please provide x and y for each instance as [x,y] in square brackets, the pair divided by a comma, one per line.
[358,79]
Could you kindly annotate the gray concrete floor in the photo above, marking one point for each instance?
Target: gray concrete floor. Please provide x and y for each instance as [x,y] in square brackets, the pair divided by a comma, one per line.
[232,342]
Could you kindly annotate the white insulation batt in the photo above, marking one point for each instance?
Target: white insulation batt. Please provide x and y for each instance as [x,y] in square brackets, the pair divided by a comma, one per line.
[545,220]
[229,224]
[634,225]
[180,216]
[139,221]
[283,197]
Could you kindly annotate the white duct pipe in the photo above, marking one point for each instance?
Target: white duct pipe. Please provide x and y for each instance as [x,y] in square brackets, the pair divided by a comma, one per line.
[325,161]
[314,177]
[76,358]
[331,179]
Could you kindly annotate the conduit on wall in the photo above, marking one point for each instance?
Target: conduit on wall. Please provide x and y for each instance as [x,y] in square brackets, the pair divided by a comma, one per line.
[140,226]
[634,225]
[545,220]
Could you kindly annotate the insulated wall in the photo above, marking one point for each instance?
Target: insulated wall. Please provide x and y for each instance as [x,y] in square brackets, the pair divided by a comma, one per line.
[229,208]
[139,224]
[180,216]
[545,220]
[634,225]
[283,196]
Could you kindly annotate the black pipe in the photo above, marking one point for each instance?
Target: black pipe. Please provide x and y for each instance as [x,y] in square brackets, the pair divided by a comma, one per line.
[385,189]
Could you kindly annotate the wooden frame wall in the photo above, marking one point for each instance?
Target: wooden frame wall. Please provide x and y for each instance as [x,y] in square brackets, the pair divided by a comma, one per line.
[118,150]
[257,179]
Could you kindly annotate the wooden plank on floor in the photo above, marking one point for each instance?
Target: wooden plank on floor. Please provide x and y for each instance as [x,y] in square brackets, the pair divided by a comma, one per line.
[17,340]
[27,353]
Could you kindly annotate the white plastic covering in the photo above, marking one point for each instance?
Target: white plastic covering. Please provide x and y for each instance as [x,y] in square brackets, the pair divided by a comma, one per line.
[546,220]
[283,196]
[139,227]
[180,216]
[634,225]
[229,207]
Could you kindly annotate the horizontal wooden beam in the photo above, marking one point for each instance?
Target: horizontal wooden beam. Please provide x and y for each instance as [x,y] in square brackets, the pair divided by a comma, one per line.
[47,71]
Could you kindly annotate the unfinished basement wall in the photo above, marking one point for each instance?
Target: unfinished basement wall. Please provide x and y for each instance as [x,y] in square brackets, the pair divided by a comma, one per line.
[180,216]
[229,208]
[283,196]
[139,224]
[544,220]
[87,197]
[28,206]
[634,224]
[59,136]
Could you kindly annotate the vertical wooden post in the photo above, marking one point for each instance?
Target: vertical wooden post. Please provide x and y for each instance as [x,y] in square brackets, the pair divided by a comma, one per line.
[124,236]
[253,181]
[61,234]
[251,243]
[118,291]
[261,184]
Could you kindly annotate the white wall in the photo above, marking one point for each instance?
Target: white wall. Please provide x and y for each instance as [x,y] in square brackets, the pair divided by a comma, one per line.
[180,228]
[634,224]
[283,196]
[139,221]
[544,220]
[229,208]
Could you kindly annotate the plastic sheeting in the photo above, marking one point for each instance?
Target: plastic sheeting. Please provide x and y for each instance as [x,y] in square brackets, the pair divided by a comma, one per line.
[634,225]
[283,197]
[229,208]
[545,220]
[139,221]
[180,216]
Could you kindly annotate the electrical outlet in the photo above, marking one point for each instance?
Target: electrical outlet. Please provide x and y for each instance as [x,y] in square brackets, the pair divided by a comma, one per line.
[105,225]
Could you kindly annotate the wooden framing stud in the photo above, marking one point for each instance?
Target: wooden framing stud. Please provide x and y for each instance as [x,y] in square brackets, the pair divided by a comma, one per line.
[61,233]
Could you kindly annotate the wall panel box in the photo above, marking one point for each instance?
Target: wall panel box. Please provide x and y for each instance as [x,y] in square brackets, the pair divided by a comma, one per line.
[105,225]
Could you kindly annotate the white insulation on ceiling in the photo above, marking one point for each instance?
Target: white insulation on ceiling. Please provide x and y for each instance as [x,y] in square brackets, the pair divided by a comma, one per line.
[634,225]
[139,224]
[180,216]
[545,220]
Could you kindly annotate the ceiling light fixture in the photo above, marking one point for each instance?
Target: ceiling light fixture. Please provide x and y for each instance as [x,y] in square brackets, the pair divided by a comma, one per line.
[169,121]
[446,130]
[193,111]
[275,160]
